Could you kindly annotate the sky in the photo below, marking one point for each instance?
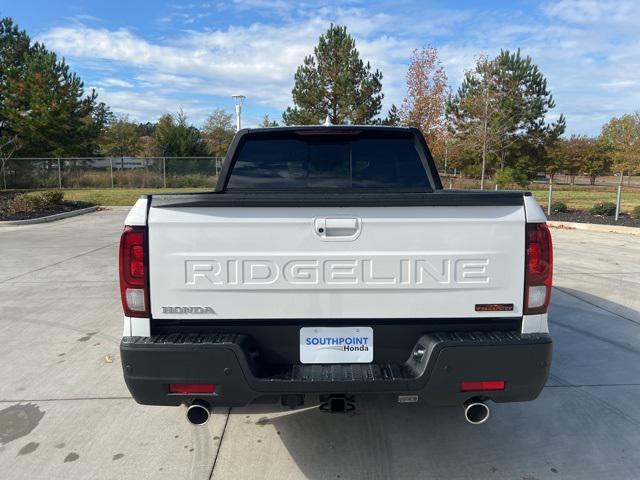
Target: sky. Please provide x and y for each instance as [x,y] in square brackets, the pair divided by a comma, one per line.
[146,58]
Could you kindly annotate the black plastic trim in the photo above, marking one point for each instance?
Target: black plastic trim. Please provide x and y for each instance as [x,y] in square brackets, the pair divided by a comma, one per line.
[166,326]
[435,367]
[278,339]
[443,198]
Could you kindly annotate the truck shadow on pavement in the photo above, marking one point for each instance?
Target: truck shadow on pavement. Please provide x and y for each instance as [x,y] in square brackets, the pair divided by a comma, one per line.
[596,304]
[585,424]
[384,440]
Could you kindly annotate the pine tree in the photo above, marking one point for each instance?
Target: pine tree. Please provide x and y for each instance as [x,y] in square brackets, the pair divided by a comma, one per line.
[267,122]
[14,45]
[174,137]
[42,102]
[499,111]
[121,138]
[218,132]
[393,118]
[335,82]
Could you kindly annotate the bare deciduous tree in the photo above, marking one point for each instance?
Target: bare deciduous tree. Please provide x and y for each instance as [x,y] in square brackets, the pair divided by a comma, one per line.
[8,146]
[427,92]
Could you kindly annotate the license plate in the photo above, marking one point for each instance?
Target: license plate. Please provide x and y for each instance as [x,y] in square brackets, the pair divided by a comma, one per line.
[336,345]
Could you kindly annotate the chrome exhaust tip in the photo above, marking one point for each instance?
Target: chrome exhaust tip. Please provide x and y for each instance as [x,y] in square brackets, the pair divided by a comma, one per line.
[198,412]
[476,411]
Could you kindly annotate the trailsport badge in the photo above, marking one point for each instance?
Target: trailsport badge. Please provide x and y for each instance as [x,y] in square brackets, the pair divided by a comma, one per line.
[187,310]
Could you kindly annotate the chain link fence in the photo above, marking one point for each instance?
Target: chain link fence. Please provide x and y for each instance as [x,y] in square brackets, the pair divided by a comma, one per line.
[106,173]
[109,172]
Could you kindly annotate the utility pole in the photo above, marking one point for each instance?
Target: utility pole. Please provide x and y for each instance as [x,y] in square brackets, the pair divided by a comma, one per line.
[59,175]
[619,196]
[550,196]
[446,152]
[238,99]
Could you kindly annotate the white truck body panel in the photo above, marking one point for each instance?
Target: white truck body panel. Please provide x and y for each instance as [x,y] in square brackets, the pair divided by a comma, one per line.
[378,262]
[137,216]
[535,323]
[136,326]
[533,210]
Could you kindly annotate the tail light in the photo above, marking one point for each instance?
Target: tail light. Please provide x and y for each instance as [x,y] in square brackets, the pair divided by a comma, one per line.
[185,388]
[482,386]
[133,272]
[539,269]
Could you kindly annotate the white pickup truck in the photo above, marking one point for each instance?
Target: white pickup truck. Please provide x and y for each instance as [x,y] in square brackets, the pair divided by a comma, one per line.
[330,263]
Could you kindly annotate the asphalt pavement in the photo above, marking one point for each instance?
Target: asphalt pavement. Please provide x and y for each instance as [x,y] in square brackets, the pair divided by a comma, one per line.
[65,412]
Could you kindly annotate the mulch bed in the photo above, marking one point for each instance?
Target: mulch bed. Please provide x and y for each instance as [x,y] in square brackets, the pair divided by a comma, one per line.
[581,216]
[65,206]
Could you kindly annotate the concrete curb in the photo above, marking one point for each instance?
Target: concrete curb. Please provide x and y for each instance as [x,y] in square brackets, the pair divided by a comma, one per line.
[49,218]
[594,227]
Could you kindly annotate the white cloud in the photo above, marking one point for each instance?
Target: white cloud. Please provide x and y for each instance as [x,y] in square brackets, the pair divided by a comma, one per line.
[259,60]
[85,18]
[143,106]
[595,11]
[114,82]
[587,49]
[236,58]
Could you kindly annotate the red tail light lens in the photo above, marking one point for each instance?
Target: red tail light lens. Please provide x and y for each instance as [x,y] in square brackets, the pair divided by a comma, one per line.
[539,269]
[136,267]
[191,388]
[133,272]
[482,386]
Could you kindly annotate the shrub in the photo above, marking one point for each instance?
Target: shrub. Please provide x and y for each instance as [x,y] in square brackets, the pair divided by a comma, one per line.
[191,180]
[606,209]
[21,203]
[51,197]
[28,202]
[87,179]
[635,213]
[559,207]
[509,176]
[504,177]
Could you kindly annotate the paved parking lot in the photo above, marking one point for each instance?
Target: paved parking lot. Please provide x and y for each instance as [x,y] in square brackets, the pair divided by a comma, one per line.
[66,413]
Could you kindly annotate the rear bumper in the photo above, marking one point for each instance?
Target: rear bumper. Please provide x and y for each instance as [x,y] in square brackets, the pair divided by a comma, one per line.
[232,363]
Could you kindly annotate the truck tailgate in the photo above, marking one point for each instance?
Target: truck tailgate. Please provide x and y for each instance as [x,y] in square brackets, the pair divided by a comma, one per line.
[322,262]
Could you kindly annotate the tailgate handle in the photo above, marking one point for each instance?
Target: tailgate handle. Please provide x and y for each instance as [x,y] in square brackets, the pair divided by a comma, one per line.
[338,228]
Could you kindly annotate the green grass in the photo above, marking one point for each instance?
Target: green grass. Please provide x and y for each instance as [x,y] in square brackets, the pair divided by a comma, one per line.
[583,200]
[119,196]
[578,197]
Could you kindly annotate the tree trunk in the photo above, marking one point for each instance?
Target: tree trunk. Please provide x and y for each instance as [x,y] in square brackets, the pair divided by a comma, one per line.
[484,162]
[446,155]
[484,140]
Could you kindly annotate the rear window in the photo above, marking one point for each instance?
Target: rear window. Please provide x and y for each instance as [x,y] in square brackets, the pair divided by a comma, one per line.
[288,160]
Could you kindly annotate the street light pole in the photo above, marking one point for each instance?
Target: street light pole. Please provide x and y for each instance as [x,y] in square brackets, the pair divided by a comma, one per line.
[238,99]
